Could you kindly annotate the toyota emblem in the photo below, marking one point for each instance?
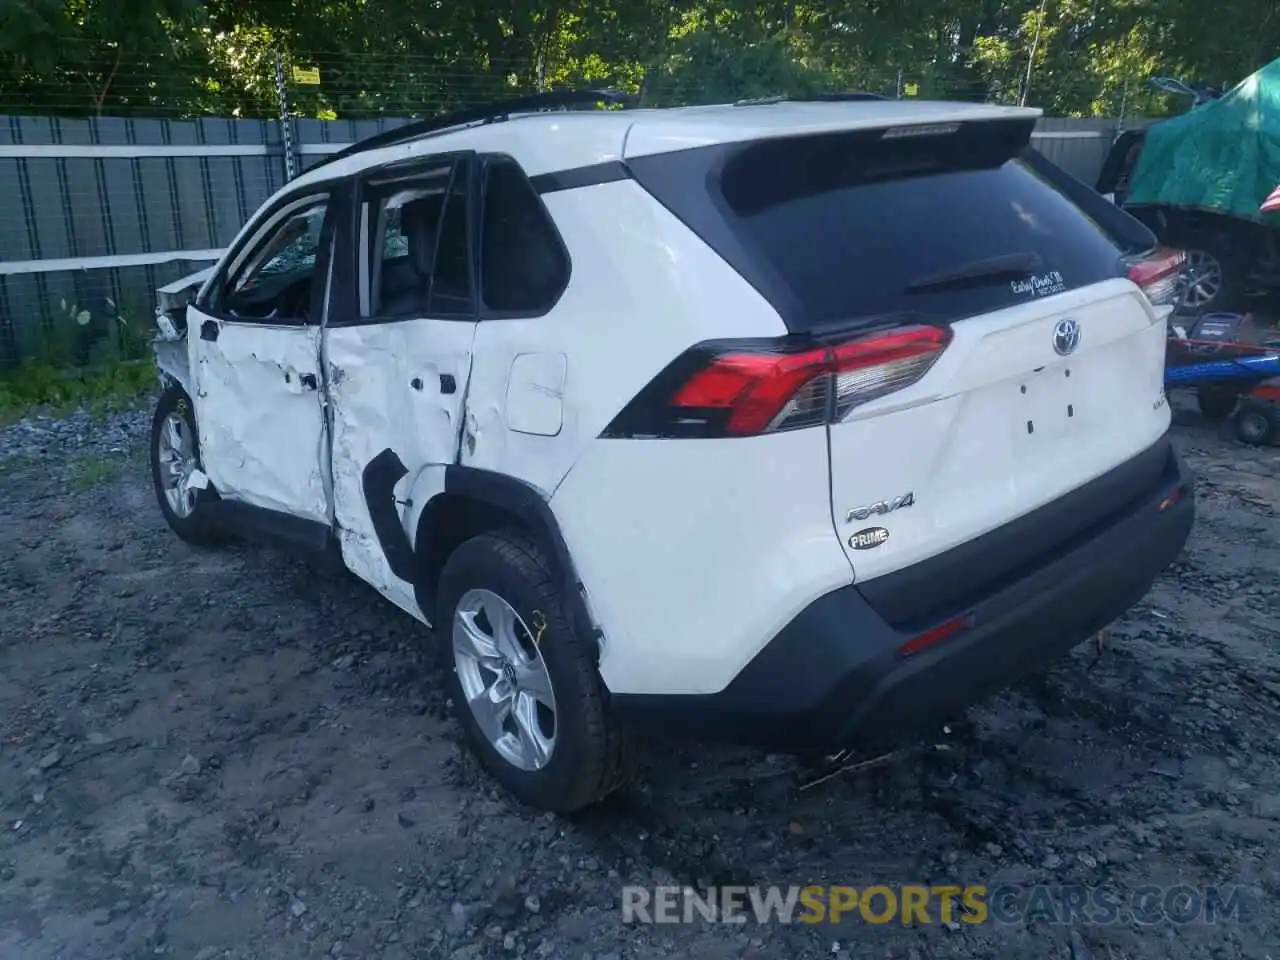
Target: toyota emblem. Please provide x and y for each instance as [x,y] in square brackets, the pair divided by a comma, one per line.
[1066,336]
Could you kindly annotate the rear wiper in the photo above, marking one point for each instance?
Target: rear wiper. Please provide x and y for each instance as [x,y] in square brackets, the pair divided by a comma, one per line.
[1010,266]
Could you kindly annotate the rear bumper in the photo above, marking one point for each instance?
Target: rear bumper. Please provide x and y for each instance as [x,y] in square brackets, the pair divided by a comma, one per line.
[836,676]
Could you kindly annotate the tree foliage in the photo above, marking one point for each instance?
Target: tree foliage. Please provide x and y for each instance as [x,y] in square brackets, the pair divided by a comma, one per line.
[219,57]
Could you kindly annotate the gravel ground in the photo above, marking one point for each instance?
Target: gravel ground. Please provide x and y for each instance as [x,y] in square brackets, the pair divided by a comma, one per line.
[225,754]
[79,433]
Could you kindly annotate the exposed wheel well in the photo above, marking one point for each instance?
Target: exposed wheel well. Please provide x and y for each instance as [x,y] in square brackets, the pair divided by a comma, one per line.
[447,522]
[476,501]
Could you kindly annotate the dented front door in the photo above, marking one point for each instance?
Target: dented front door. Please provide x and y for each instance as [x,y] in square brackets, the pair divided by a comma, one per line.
[254,339]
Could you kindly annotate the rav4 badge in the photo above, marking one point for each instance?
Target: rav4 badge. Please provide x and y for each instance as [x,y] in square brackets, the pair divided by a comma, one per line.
[881,507]
[869,538]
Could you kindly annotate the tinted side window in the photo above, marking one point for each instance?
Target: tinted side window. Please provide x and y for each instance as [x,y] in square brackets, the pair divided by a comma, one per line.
[419,262]
[523,263]
[1123,229]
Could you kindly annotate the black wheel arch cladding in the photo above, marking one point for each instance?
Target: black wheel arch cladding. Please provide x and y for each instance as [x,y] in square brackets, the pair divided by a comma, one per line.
[507,495]
[378,482]
[422,566]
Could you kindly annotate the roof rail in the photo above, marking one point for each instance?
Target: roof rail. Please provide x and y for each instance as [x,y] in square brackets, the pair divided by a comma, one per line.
[851,96]
[842,97]
[488,113]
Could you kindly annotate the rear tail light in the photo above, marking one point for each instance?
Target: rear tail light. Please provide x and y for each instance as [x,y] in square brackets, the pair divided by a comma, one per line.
[1159,275]
[742,389]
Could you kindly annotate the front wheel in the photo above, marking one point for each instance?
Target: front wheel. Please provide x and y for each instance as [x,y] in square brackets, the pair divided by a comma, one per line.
[524,685]
[175,457]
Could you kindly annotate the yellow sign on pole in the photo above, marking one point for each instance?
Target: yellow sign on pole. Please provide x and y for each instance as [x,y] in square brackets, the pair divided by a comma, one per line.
[910,90]
[306,75]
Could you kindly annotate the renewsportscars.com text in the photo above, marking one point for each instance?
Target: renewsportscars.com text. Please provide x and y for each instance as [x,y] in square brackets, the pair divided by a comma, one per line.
[930,904]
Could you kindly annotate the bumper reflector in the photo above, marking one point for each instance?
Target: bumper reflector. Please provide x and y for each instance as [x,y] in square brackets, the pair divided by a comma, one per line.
[932,637]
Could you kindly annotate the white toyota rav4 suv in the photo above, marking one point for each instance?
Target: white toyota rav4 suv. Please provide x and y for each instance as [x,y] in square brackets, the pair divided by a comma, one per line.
[800,424]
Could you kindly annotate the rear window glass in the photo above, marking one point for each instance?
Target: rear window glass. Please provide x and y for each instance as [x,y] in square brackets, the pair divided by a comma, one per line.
[836,229]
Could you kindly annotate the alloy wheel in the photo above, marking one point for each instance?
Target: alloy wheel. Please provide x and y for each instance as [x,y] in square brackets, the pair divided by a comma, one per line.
[1203,279]
[504,679]
[175,453]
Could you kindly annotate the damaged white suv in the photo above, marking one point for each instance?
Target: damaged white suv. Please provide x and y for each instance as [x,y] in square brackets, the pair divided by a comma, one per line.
[797,424]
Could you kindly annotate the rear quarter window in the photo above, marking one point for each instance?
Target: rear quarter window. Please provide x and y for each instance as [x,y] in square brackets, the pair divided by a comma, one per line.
[836,229]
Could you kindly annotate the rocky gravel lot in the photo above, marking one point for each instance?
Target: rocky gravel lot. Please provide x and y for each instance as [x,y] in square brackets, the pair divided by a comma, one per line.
[227,754]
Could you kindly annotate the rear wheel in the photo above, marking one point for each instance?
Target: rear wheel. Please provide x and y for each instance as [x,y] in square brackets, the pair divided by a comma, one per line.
[1216,403]
[524,685]
[1258,423]
[175,458]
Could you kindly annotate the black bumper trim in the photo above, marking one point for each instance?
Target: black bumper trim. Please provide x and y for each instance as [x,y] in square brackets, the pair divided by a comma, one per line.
[834,676]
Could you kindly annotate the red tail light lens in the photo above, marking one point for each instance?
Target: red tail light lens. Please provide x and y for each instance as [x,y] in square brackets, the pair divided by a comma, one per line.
[748,389]
[1160,276]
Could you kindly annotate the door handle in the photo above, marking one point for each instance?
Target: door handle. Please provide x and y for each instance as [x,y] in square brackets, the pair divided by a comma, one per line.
[209,330]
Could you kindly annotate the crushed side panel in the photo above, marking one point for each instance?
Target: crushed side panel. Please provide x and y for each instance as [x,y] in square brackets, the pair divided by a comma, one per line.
[260,416]
[396,391]
[173,362]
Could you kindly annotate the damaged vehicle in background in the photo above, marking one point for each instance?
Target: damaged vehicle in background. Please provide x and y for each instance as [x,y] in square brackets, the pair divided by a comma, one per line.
[1117,167]
[635,411]
[1198,181]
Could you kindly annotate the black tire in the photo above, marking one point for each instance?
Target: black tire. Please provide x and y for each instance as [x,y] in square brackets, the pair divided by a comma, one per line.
[592,757]
[195,528]
[1216,403]
[1258,423]
[1233,267]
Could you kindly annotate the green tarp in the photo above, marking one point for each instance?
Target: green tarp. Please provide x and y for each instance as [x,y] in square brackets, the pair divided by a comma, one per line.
[1222,156]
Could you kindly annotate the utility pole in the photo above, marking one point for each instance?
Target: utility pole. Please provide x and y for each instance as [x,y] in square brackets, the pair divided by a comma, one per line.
[1031,59]
[286,122]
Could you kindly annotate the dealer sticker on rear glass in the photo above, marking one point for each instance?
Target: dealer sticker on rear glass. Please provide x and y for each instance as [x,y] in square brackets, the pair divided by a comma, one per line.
[1043,285]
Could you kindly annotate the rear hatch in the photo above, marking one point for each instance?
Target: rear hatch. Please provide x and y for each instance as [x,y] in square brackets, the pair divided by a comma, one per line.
[990,351]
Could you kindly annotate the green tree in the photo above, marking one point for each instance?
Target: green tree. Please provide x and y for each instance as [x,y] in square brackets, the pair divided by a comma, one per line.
[89,57]
[388,57]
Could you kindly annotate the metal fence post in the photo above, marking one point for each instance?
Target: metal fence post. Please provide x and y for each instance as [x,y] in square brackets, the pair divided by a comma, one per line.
[1124,107]
[286,123]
